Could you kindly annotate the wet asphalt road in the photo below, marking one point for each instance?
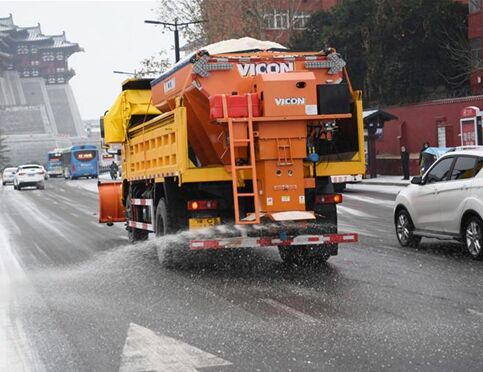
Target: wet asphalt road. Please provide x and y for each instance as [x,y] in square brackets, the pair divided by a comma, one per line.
[76,291]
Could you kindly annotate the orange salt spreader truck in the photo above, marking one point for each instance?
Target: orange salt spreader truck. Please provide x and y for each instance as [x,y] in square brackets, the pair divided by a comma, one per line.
[242,135]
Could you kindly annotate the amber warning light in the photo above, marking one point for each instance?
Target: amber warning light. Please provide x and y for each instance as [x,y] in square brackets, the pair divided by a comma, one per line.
[201,205]
[329,199]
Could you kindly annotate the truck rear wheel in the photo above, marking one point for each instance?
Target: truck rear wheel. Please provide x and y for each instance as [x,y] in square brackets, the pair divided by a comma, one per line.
[133,234]
[172,245]
[305,255]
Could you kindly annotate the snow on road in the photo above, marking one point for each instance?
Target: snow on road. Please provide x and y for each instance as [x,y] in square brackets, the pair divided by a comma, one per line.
[88,184]
[16,353]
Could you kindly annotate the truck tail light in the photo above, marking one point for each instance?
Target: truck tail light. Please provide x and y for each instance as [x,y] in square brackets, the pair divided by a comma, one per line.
[202,205]
[328,199]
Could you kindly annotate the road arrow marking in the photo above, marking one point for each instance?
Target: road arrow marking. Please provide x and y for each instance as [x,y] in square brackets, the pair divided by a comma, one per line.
[145,350]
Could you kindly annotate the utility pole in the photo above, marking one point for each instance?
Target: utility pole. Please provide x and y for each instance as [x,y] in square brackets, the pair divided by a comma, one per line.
[174,27]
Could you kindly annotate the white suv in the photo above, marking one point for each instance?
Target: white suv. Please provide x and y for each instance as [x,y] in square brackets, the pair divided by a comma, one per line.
[29,175]
[445,203]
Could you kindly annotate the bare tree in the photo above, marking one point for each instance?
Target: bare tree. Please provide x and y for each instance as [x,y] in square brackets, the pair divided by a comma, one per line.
[228,19]
[463,54]
[153,65]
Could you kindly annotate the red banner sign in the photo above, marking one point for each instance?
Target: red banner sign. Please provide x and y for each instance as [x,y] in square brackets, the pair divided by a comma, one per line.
[468,134]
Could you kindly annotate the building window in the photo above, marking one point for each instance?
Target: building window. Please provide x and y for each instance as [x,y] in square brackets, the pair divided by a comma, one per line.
[60,79]
[51,79]
[276,20]
[475,45]
[22,49]
[60,69]
[474,6]
[441,136]
[60,56]
[35,72]
[33,50]
[300,20]
[48,56]
[26,73]
[34,62]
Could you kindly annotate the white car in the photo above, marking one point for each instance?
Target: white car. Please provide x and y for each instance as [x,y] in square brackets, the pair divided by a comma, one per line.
[445,203]
[29,175]
[8,175]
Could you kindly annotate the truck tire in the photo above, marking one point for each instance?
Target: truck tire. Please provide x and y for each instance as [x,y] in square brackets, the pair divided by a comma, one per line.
[304,256]
[134,235]
[170,247]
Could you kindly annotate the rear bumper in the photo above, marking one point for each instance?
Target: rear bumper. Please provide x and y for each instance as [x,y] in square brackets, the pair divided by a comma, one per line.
[259,242]
[31,181]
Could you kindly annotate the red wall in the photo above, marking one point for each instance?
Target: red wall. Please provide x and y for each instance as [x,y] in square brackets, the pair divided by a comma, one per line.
[417,124]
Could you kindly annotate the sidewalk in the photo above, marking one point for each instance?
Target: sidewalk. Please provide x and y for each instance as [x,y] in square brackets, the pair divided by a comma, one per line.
[387,181]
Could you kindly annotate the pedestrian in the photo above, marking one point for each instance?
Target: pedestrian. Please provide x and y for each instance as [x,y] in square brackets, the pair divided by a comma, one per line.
[422,158]
[114,168]
[405,162]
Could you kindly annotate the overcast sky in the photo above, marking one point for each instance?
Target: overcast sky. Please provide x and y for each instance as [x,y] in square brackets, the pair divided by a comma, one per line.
[112,33]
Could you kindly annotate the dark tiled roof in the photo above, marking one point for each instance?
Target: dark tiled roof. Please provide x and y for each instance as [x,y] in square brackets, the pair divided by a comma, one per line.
[34,34]
[8,21]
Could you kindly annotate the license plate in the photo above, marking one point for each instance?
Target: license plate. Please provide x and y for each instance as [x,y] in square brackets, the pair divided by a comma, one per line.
[32,174]
[200,223]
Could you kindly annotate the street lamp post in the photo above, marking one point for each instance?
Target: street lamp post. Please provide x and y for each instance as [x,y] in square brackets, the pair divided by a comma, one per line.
[174,27]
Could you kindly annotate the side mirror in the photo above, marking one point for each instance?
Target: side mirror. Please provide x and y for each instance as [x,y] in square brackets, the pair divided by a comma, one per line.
[417,180]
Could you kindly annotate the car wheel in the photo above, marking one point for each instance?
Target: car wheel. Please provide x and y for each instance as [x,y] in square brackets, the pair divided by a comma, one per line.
[474,237]
[19,187]
[404,230]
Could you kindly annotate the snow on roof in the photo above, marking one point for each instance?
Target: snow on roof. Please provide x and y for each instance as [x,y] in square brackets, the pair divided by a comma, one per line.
[242,44]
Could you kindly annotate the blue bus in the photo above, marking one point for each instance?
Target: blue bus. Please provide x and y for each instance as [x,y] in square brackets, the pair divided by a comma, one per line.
[80,161]
[54,163]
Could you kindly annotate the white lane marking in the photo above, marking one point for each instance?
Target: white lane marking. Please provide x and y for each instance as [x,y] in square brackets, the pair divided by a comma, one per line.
[145,350]
[298,314]
[15,351]
[354,212]
[475,312]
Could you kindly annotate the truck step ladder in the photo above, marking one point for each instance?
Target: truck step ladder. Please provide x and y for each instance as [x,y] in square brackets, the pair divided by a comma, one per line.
[249,167]
[284,152]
